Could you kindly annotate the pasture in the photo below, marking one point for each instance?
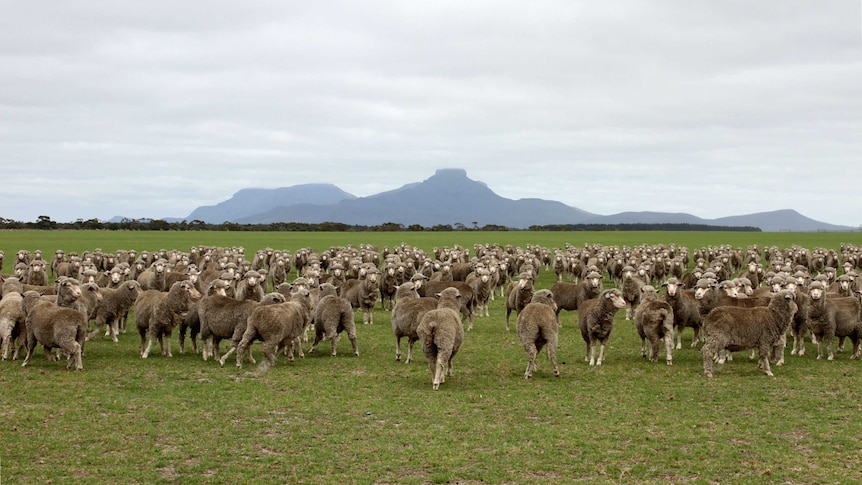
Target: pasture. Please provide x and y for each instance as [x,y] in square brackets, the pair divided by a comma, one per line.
[370,419]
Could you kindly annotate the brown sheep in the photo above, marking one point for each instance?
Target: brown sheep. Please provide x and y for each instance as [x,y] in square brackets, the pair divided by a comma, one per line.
[519,295]
[115,303]
[736,328]
[831,317]
[631,289]
[482,283]
[363,294]
[686,311]
[250,287]
[537,327]
[157,313]
[278,326]
[441,333]
[53,327]
[333,315]
[468,300]
[406,315]
[12,323]
[596,321]
[654,322]
[153,278]
[570,296]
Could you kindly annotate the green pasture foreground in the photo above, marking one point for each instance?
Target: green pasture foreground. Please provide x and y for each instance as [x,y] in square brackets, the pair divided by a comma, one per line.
[369,419]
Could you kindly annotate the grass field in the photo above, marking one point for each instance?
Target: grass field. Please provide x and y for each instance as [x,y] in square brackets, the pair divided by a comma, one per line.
[369,419]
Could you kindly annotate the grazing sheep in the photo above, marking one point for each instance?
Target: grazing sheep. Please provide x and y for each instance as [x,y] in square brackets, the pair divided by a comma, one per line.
[831,317]
[12,323]
[520,293]
[596,320]
[570,296]
[441,333]
[654,322]
[54,327]
[406,315]
[333,315]
[115,304]
[278,326]
[537,327]
[736,328]
[158,312]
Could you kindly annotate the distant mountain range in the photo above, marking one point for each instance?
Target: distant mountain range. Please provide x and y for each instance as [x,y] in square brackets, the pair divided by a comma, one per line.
[449,197]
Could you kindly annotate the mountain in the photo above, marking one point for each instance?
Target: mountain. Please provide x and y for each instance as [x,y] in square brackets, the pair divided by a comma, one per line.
[786,220]
[448,197]
[248,202]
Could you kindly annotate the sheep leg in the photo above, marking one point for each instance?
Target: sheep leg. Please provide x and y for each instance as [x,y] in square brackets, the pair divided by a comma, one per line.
[764,359]
[269,351]
[409,351]
[827,338]
[592,351]
[353,343]
[531,359]
[708,356]
[552,356]
[679,339]
[643,348]
[146,352]
[587,353]
[333,343]
[397,349]
[168,343]
[227,354]
[653,354]
[241,348]
[778,350]
[601,353]
[668,347]
[318,336]
[31,346]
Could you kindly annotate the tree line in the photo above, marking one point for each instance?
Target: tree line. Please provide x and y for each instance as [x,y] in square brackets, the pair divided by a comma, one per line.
[46,223]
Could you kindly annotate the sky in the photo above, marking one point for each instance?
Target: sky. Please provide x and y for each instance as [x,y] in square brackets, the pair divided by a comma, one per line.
[115,108]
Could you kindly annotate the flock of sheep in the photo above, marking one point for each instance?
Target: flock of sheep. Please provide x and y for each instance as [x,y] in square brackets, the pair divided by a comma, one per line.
[732,299]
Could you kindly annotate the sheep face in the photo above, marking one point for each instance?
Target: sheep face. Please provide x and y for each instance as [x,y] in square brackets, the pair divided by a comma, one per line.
[616,297]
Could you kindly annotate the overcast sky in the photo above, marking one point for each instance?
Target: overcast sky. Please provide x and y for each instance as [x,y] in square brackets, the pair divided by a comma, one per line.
[151,109]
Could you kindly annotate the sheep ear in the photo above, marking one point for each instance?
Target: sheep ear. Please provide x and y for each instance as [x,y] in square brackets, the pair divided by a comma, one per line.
[437,295]
[607,295]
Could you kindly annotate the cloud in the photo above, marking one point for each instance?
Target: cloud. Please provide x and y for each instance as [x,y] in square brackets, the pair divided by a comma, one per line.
[606,107]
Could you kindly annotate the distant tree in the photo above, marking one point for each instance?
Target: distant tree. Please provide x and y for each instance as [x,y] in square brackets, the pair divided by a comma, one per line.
[45,222]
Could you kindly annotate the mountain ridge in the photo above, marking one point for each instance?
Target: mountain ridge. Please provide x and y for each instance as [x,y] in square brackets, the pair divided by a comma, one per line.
[450,197]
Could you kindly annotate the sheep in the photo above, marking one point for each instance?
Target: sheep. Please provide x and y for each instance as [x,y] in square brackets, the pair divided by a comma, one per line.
[363,294]
[833,317]
[157,313]
[387,286]
[250,287]
[570,296]
[36,273]
[333,315]
[278,326]
[115,304]
[441,333]
[480,281]
[537,327]
[12,323]
[239,326]
[11,285]
[53,326]
[153,278]
[596,321]
[631,289]
[468,299]
[654,322]
[519,294]
[736,328]
[406,315]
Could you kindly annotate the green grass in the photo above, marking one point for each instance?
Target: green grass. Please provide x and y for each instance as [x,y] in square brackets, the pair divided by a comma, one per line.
[368,419]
